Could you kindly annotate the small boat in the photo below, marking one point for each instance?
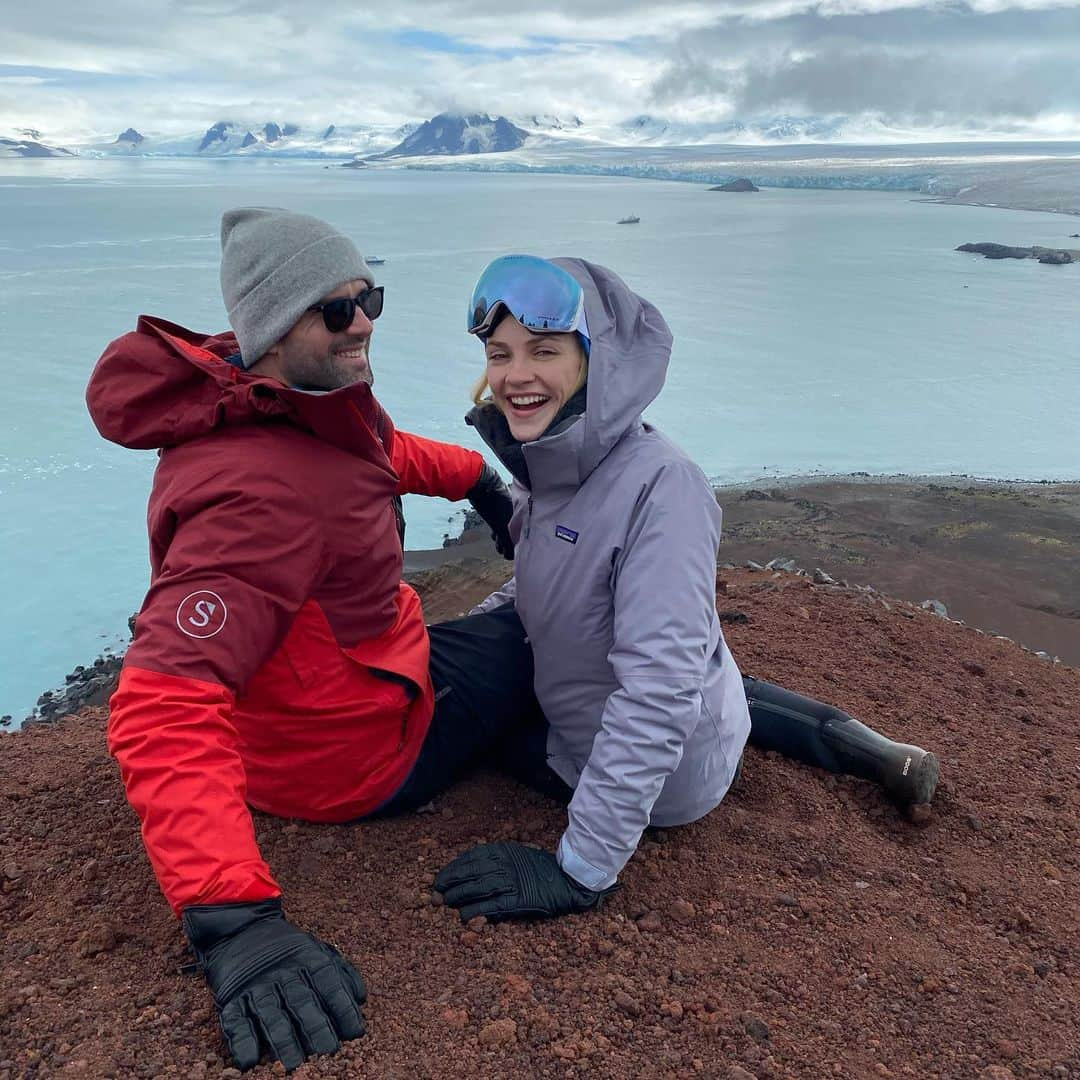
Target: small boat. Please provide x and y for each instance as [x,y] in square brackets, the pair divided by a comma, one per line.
[633,219]
[373,260]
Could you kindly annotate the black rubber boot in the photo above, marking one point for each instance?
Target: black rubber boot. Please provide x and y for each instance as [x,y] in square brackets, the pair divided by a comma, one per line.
[818,734]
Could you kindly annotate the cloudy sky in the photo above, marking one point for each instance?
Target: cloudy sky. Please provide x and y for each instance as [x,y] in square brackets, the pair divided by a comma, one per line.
[922,68]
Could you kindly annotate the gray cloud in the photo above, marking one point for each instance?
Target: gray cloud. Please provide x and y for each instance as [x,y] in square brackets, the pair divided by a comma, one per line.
[176,64]
[928,65]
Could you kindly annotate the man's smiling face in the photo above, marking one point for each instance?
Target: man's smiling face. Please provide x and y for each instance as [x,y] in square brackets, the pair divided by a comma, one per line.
[310,357]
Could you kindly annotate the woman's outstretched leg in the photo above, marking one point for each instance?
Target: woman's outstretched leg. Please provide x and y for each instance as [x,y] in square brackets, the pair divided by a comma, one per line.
[818,734]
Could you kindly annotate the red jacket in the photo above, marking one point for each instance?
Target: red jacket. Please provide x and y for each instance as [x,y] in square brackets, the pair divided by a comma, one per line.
[275,595]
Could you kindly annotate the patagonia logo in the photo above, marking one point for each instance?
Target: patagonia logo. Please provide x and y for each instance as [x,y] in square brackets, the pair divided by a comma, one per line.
[563,533]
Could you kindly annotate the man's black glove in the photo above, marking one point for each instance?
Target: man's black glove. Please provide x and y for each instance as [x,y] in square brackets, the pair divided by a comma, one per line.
[278,989]
[490,498]
[511,881]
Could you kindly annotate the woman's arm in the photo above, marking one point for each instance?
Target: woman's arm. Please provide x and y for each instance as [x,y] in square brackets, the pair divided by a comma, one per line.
[665,631]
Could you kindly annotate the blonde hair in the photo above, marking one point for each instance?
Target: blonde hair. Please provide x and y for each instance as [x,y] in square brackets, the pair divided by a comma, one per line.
[481,387]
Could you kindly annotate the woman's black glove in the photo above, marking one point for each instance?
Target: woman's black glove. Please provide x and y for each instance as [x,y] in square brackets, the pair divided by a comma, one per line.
[278,990]
[511,881]
[490,498]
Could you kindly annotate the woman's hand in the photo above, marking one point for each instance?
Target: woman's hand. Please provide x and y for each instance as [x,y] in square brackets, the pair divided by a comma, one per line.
[508,880]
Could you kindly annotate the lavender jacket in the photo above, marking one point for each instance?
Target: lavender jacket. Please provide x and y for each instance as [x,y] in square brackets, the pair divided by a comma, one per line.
[615,569]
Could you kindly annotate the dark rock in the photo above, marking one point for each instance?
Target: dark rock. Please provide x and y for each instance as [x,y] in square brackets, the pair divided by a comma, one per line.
[272,133]
[472,522]
[756,1028]
[1047,256]
[83,687]
[996,251]
[130,136]
[733,617]
[328,132]
[289,129]
[742,184]
[216,133]
[249,140]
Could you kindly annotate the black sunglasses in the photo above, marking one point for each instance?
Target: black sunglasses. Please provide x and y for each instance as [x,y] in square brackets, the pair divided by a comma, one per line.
[338,314]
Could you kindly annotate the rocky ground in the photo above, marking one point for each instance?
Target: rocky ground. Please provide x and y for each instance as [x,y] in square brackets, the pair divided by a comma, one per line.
[804,929]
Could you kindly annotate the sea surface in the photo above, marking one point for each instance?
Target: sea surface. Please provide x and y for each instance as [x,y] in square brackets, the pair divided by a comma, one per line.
[815,332]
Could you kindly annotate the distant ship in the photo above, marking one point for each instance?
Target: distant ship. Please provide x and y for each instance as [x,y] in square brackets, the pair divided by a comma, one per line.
[373,260]
[633,219]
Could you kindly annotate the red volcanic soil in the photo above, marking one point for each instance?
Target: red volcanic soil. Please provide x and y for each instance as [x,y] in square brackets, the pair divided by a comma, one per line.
[804,929]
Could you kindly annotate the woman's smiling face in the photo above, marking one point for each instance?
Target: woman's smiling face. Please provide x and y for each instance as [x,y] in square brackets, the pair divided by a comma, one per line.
[531,375]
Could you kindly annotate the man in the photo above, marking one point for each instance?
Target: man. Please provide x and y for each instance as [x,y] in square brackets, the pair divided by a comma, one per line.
[278,660]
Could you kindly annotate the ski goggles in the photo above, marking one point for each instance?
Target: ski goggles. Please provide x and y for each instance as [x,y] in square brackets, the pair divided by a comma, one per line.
[539,294]
[339,313]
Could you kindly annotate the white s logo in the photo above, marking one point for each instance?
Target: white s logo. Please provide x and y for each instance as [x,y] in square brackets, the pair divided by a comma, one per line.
[205,611]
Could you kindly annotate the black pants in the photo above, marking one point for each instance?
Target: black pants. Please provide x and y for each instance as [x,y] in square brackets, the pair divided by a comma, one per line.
[486,712]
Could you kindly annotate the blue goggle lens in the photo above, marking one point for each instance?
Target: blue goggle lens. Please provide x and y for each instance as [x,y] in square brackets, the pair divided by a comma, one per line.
[539,294]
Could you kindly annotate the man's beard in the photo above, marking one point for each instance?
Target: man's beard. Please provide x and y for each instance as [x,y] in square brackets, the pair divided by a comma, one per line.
[331,374]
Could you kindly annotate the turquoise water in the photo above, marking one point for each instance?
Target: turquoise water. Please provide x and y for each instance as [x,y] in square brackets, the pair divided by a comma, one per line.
[828,331]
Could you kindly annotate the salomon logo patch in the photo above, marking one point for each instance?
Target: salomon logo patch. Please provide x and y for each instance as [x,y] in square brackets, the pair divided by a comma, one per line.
[563,533]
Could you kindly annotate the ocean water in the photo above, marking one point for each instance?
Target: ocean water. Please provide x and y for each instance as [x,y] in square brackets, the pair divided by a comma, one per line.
[816,331]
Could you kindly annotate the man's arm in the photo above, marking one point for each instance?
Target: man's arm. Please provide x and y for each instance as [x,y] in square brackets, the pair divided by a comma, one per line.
[235,572]
[427,467]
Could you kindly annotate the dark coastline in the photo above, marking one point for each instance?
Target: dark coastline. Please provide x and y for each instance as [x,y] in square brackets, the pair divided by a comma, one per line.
[997,555]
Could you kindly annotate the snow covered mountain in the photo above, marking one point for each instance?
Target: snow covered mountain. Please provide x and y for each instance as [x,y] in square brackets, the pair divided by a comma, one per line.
[448,134]
[228,138]
[445,135]
[648,130]
[27,144]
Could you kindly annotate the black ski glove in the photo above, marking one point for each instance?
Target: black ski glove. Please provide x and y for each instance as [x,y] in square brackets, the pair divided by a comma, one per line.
[490,498]
[278,990]
[511,881]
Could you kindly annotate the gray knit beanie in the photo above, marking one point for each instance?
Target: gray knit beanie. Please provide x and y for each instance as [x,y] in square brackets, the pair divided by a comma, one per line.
[274,265]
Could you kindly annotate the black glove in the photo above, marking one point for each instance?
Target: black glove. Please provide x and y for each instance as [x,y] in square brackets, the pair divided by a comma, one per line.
[490,498]
[511,881]
[278,989]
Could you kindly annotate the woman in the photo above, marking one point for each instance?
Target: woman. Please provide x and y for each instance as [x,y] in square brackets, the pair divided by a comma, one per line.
[615,575]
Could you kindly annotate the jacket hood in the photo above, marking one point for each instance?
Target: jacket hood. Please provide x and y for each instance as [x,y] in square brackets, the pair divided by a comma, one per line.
[630,346]
[162,385]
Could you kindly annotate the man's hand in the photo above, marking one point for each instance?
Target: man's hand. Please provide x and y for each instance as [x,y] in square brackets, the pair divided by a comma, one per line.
[511,881]
[278,990]
[490,498]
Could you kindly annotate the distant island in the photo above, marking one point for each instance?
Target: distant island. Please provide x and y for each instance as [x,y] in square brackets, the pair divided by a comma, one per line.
[1047,256]
[742,184]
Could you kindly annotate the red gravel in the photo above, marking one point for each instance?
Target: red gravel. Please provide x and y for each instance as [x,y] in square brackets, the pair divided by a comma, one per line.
[804,929]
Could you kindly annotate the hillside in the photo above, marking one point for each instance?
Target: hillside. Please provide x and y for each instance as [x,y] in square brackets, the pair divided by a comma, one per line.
[804,929]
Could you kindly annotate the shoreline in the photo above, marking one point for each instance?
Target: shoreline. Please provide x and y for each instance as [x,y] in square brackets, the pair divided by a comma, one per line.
[996,554]
[1066,204]
[946,201]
